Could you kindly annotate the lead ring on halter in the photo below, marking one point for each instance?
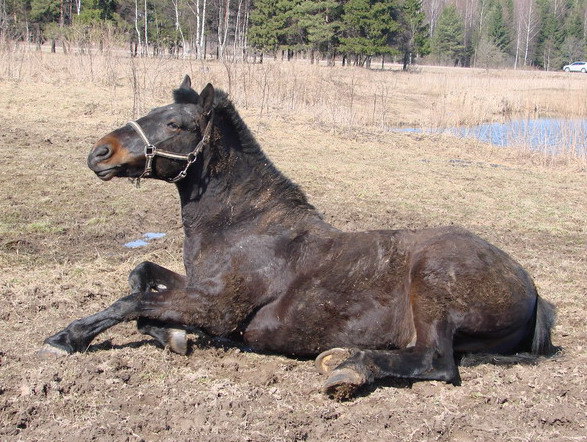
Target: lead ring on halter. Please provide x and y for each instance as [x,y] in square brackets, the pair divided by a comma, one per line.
[151,151]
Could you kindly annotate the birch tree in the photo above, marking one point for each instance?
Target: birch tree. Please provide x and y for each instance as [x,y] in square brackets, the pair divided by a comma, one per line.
[433,9]
[136,23]
[198,8]
[527,27]
[178,29]
[223,25]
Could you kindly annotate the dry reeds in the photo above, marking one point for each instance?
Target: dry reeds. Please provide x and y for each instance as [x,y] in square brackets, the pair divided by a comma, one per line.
[349,97]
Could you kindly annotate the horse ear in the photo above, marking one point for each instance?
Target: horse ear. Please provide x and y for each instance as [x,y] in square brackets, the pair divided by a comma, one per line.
[207,98]
[185,94]
[186,83]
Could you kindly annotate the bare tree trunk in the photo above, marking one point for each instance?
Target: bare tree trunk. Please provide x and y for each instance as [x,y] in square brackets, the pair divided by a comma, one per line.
[137,26]
[223,21]
[146,30]
[178,25]
[237,30]
[202,42]
[61,25]
[200,13]
[245,30]
[518,45]
[3,20]
[527,25]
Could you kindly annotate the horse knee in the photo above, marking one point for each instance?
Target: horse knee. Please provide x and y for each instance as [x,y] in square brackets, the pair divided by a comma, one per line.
[138,279]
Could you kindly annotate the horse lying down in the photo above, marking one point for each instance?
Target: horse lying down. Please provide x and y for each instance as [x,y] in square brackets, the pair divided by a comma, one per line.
[265,270]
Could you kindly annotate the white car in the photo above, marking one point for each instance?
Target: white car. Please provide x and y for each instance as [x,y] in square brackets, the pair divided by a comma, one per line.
[578,66]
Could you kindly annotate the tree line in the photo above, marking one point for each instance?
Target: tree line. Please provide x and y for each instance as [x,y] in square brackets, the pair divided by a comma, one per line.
[485,33]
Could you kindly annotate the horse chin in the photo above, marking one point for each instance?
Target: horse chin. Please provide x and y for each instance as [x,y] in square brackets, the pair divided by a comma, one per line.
[109,173]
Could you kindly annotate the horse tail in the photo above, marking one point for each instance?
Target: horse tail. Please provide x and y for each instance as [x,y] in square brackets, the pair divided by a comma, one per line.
[545,319]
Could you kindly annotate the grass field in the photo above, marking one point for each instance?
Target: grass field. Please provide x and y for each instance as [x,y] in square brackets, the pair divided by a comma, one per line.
[62,230]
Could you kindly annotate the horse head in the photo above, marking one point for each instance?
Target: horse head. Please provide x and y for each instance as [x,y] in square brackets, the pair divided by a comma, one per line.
[162,144]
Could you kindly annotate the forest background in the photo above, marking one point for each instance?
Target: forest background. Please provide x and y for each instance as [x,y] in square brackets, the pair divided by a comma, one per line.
[543,34]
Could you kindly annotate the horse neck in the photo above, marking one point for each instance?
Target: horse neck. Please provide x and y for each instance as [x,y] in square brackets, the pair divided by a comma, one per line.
[239,183]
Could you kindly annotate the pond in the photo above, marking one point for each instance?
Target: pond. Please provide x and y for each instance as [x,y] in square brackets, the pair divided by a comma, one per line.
[548,135]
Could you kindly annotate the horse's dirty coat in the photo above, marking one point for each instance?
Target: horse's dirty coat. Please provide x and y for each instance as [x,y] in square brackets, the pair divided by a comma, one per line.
[298,286]
[122,388]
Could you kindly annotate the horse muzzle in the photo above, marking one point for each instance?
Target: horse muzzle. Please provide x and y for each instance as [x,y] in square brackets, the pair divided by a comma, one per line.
[96,158]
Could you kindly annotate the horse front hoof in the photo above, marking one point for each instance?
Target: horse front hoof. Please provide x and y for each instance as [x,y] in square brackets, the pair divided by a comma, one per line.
[343,383]
[178,341]
[328,360]
[48,351]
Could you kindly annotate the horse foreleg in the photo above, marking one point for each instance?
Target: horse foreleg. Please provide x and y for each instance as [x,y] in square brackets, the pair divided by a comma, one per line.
[215,314]
[146,277]
[150,276]
[78,335]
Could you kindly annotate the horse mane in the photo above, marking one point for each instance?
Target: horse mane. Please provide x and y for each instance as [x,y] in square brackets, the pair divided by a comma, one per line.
[249,146]
[185,95]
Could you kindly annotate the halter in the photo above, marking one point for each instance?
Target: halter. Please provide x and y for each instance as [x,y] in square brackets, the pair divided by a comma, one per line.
[151,151]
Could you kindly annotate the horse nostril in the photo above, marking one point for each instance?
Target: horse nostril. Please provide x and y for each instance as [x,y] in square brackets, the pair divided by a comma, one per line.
[102,152]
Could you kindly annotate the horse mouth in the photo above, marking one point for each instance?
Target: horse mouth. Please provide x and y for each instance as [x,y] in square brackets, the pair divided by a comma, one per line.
[107,174]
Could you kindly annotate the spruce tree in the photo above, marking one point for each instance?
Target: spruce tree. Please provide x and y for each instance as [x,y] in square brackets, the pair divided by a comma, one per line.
[266,25]
[320,21]
[45,11]
[368,28]
[497,30]
[550,39]
[412,37]
[447,43]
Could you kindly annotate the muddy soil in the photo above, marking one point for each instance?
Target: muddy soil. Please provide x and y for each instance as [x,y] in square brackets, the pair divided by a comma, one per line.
[61,256]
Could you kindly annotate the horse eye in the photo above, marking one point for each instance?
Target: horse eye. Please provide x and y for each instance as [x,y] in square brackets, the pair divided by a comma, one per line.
[173,125]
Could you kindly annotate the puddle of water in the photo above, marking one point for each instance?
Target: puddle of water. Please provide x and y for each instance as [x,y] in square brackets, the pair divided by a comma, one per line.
[549,135]
[145,240]
[153,235]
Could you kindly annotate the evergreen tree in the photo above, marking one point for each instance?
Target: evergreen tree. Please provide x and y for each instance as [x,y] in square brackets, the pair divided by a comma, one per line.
[265,25]
[45,11]
[447,43]
[413,37]
[550,39]
[368,27]
[497,30]
[274,25]
[574,46]
[320,21]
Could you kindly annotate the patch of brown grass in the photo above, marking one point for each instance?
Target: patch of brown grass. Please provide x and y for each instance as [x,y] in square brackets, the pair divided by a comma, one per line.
[61,254]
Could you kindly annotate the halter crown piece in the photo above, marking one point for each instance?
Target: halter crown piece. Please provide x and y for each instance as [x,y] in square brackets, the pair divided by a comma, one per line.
[151,151]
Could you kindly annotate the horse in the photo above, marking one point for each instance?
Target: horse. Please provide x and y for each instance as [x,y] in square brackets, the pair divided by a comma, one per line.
[264,270]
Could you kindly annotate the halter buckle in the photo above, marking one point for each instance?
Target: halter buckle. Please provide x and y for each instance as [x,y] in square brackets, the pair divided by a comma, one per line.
[150,150]
[191,157]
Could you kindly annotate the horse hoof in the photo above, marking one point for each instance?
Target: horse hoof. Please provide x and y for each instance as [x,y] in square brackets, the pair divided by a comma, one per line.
[48,351]
[343,383]
[178,341]
[330,359]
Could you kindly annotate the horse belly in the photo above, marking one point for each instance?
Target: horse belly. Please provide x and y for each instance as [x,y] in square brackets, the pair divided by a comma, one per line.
[308,328]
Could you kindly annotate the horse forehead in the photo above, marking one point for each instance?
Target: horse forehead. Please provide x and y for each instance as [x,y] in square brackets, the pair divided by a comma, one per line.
[173,109]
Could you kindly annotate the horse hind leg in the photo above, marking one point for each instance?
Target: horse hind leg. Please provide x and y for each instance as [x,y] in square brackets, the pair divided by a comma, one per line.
[425,361]
[150,277]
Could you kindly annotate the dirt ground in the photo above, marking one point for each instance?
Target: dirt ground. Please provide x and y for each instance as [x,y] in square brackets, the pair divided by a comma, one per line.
[61,258]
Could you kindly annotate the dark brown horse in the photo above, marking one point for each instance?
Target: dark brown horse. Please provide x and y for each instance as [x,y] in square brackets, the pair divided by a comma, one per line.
[264,269]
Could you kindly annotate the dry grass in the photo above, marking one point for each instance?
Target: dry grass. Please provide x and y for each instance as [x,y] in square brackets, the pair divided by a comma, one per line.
[350,97]
[428,97]
[61,231]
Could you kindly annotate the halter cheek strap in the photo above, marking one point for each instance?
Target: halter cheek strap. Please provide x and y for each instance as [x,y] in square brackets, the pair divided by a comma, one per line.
[151,151]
